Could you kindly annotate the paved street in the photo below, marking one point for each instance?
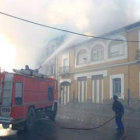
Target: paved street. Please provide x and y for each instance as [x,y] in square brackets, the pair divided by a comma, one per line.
[45,130]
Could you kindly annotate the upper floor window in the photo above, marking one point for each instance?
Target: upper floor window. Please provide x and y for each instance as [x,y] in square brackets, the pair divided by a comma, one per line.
[116,48]
[97,53]
[82,57]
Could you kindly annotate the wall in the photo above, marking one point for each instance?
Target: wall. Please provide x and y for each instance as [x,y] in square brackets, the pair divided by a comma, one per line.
[129,71]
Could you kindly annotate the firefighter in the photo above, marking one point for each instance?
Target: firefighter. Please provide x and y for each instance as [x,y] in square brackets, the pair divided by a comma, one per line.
[118,108]
[30,70]
[27,68]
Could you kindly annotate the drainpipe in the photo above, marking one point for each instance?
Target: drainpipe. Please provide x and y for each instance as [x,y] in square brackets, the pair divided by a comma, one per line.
[128,92]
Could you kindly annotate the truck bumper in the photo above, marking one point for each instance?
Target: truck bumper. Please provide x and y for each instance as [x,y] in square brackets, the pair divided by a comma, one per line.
[6,120]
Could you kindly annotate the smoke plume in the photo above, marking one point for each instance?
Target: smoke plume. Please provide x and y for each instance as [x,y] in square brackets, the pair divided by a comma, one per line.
[93,17]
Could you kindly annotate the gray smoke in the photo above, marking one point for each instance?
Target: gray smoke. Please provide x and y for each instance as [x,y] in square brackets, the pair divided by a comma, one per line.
[93,17]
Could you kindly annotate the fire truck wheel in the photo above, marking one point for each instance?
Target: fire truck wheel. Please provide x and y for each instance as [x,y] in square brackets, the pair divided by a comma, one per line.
[29,124]
[54,112]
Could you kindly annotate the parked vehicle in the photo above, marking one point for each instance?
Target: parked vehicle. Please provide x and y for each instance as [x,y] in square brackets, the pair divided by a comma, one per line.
[24,98]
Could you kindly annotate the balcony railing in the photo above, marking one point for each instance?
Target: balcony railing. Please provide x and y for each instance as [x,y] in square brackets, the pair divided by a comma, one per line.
[64,70]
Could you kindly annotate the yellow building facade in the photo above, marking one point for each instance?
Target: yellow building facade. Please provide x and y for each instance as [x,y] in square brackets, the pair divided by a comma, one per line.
[95,70]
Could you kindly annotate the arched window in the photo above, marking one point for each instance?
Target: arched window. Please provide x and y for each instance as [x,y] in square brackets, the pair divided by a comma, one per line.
[82,57]
[116,48]
[97,53]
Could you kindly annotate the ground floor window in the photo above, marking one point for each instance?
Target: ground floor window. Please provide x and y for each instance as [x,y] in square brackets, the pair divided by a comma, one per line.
[117,85]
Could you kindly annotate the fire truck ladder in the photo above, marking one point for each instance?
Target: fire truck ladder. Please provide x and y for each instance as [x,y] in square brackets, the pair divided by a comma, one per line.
[7,94]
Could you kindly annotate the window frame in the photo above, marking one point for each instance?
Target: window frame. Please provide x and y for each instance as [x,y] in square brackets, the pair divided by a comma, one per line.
[117,86]
[118,52]
[78,54]
[100,50]
[52,69]
[121,76]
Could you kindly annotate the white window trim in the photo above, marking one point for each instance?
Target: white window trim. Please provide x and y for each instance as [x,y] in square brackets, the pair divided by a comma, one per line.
[65,80]
[139,85]
[121,76]
[90,74]
[65,56]
[88,58]
[125,49]
[106,51]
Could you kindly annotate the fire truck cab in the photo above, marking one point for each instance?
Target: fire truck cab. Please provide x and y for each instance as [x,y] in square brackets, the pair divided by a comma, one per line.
[24,98]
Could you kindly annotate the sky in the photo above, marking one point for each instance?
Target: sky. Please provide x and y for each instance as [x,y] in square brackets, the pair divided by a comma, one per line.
[23,43]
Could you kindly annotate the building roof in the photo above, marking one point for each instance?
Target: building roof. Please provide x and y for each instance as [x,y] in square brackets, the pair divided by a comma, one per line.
[114,32]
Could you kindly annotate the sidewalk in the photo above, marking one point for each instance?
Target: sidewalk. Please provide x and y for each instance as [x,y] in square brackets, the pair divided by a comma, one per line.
[106,132]
[90,116]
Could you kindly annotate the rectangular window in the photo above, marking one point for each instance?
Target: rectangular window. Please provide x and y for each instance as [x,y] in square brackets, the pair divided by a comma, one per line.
[117,87]
[52,69]
[65,65]
[65,62]
[117,50]
[18,96]
[50,93]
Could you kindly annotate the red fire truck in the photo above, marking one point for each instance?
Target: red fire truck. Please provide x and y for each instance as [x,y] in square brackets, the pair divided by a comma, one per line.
[26,97]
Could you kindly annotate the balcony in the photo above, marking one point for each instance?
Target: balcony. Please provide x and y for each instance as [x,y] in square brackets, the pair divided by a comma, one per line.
[64,70]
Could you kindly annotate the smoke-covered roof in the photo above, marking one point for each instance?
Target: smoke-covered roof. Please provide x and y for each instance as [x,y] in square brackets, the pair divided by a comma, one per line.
[114,32]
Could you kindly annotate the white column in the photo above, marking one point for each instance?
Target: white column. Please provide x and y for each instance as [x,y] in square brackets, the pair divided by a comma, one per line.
[97,91]
[78,91]
[68,91]
[62,91]
[139,85]
[92,91]
[64,95]
[102,90]
[83,88]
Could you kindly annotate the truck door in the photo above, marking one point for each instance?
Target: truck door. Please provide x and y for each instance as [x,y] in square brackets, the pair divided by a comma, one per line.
[7,96]
[17,101]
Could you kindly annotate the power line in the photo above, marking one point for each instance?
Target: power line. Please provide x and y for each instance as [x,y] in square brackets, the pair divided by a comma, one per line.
[80,34]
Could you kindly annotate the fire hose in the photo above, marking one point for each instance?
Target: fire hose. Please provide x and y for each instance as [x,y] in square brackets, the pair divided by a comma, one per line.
[92,128]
